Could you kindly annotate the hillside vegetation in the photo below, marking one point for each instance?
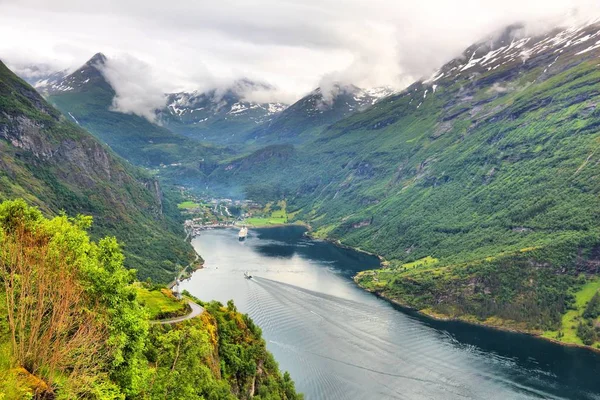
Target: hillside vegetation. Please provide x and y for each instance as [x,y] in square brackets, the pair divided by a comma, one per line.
[56,165]
[491,168]
[72,326]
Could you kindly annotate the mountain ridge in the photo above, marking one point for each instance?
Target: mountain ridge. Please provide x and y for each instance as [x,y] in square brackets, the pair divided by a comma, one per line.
[479,187]
[86,96]
[218,115]
[56,165]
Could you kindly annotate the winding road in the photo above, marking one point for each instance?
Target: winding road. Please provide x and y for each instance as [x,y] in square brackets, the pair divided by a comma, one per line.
[196,310]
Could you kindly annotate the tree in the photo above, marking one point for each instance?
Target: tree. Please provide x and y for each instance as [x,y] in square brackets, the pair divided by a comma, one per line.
[72,316]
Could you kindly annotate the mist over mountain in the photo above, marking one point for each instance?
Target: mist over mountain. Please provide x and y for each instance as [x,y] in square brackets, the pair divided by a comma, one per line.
[443,156]
[384,44]
[218,115]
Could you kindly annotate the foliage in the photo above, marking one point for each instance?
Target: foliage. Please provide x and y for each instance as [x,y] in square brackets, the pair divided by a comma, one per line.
[274,213]
[56,165]
[187,205]
[161,303]
[72,319]
[467,175]
[72,325]
[592,309]
[179,364]
[245,362]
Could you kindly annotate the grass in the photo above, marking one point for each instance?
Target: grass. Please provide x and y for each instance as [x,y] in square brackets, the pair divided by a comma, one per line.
[274,217]
[160,303]
[420,262]
[269,221]
[187,205]
[570,319]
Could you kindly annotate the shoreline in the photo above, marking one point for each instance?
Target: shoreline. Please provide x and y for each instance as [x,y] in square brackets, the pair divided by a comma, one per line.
[277,225]
[443,317]
[422,313]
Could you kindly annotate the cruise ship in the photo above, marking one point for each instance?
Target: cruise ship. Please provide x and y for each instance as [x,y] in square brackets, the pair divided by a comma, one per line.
[243,233]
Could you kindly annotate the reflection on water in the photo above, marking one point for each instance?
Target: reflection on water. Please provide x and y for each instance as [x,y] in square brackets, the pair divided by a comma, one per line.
[339,342]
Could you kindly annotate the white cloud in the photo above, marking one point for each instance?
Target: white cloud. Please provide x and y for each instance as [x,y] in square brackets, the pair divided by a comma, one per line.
[138,89]
[293,45]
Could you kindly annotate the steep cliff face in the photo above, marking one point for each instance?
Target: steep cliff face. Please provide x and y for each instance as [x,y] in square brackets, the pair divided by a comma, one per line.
[57,165]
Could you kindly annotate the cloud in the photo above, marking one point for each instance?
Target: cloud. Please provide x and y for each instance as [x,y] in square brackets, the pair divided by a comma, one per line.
[139,90]
[293,45]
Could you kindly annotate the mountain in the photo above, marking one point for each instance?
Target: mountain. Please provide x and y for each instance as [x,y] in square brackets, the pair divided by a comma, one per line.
[40,75]
[218,116]
[318,109]
[478,186]
[85,78]
[87,97]
[224,117]
[56,165]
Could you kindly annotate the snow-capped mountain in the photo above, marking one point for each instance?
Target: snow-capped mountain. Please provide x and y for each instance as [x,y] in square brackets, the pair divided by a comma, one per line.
[232,115]
[226,117]
[88,74]
[220,116]
[508,61]
[321,107]
[42,75]
[341,98]
[198,109]
[513,48]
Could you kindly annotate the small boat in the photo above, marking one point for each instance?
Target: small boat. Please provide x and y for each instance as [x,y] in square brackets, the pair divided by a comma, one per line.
[243,233]
[247,275]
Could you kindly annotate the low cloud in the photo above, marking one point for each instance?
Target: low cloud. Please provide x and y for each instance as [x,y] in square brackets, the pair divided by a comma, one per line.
[273,95]
[139,90]
[293,45]
[498,88]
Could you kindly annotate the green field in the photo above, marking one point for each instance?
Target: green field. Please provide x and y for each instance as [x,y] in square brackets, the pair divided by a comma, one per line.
[187,205]
[423,261]
[160,303]
[270,216]
[571,318]
[260,222]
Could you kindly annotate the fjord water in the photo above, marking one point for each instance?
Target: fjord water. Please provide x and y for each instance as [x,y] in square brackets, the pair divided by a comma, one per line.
[340,342]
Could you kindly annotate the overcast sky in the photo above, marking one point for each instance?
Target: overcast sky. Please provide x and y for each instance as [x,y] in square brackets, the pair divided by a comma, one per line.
[292,44]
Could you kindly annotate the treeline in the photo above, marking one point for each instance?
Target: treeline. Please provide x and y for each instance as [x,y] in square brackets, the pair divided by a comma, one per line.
[588,329]
[532,288]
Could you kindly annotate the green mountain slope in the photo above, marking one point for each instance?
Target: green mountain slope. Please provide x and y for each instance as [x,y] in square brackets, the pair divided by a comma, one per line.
[56,165]
[488,173]
[87,97]
[303,120]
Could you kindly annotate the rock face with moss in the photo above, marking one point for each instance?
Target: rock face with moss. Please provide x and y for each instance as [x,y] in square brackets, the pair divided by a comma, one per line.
[72,325]
[56,165]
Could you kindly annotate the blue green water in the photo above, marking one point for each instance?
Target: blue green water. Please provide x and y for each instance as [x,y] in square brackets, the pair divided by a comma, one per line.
[340,342]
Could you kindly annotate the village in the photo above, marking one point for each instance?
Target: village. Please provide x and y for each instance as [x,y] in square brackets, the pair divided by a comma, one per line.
[204,214]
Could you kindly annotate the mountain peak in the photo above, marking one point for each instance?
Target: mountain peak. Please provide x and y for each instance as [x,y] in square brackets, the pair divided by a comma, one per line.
[87,76]
[97,59]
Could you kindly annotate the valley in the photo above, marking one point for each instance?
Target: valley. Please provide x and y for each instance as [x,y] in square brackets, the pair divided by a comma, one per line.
[439,238]
[452,169]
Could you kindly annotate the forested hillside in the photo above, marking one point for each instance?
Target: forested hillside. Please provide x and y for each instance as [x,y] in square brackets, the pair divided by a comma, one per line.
[479,186]
[72,326]
[58,166]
